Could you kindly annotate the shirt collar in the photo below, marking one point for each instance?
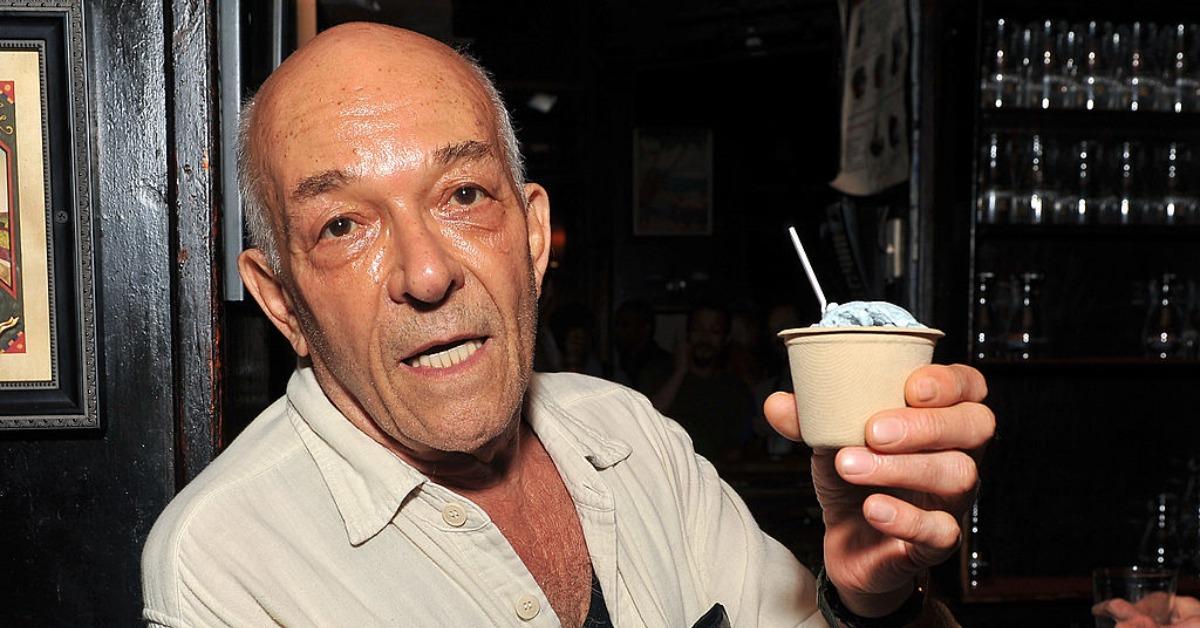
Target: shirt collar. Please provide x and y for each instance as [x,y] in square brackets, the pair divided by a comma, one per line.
[551,420]
[370,484]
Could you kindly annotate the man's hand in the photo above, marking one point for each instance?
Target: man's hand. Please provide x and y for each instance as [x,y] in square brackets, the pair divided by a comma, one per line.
[892,508]
[1184,614]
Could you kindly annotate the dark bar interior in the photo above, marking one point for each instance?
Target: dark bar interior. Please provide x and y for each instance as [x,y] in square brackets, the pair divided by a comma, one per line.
[1023,176]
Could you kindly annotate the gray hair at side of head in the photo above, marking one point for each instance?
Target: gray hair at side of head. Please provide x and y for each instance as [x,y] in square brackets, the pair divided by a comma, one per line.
[253,185]
[510,148]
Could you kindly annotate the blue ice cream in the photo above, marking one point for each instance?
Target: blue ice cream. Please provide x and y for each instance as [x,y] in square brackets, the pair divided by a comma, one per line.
[867,314]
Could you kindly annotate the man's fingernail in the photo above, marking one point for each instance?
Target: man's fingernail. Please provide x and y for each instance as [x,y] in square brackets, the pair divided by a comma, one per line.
[926,390]
[857,463]
[881,512]
[887,431]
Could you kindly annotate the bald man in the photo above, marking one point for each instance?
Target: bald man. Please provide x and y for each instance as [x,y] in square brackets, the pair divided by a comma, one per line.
[417,473]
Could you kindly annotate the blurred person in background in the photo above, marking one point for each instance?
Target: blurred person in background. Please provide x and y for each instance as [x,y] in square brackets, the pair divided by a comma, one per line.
[574,330]
[640,363]
[702,394]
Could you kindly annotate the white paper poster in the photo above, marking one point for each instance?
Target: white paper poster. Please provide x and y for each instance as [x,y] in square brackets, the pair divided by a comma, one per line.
[874,112]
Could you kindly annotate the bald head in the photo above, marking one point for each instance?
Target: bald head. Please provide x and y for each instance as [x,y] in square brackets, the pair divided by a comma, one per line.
[361,68]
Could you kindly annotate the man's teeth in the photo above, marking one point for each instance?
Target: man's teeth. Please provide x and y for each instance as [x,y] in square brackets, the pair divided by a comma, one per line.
[445,359]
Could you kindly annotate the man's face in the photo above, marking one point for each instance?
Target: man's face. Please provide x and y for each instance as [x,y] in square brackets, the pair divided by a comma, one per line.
[406,250]
[707,334]
[630,330]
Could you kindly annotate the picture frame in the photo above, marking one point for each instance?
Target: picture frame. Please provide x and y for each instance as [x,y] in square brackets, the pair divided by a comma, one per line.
[672,181]
[48,348]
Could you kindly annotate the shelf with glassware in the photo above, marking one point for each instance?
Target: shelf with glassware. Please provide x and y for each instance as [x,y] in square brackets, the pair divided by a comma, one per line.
[1063,319]
[1042,179]
[1090,66]
[1090,232]
[1099,124]
[1084,298]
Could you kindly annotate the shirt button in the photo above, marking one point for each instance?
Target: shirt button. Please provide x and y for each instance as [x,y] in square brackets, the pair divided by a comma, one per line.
[528,607]
[454,514]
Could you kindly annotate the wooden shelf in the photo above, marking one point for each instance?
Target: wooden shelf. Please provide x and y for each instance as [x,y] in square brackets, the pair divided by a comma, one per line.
[1142,233]
[1075,11]
[1087,363]
[1047,588]
[1145,125]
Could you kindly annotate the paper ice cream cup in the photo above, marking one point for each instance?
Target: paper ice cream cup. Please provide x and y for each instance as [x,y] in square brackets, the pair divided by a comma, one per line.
[843,375]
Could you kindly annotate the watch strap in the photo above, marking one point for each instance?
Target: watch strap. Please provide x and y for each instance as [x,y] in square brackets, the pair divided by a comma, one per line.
[836,613]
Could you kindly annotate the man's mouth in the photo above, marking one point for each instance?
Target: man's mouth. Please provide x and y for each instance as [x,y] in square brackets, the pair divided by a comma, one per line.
[446,355]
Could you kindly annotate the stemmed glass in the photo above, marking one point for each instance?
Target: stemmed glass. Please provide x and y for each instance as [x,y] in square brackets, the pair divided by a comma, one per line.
[1163,329]
[1025,333]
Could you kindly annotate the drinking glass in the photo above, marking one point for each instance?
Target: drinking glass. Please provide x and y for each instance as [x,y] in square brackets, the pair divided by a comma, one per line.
[985,317]
[1179,86]
[994,204]
[1115,50]
[1036,191]
[1099,86]
[1001,77]
[1172,166]
[1025,338]
[1191,347]
[1082,203]
[1162,333]
[1163,545]
[1187,68]
[1151,590]
[1028,42]
[1143,81]
[1122,207]
[1062,79]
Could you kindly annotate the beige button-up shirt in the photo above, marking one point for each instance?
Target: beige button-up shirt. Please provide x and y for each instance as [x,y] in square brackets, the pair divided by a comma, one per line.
[306,521]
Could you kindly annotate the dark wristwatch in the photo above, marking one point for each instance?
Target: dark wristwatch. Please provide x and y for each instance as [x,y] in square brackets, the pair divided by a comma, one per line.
[836,613]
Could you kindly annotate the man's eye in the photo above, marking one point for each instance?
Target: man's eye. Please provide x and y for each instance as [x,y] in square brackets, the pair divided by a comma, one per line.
[468,195]
[338,227]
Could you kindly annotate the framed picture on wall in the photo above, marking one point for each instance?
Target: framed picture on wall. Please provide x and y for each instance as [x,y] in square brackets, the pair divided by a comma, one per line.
[672,182]
[48,353]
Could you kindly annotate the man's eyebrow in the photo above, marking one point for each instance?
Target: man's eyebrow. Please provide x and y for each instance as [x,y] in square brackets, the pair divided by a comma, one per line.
[318,184]
[470,150]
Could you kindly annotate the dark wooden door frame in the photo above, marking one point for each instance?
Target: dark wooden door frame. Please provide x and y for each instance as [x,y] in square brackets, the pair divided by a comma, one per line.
[195,196]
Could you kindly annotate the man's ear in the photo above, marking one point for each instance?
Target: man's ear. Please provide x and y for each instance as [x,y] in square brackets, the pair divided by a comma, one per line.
[537,222]
[266,288]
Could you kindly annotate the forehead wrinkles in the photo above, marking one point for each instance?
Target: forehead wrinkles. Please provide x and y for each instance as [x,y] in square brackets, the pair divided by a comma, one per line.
[372,128]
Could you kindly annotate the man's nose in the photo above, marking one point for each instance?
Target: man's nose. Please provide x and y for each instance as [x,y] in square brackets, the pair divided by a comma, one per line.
[425,270]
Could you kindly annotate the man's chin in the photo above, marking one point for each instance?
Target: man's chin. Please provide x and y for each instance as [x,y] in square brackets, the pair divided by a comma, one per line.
[467,428]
